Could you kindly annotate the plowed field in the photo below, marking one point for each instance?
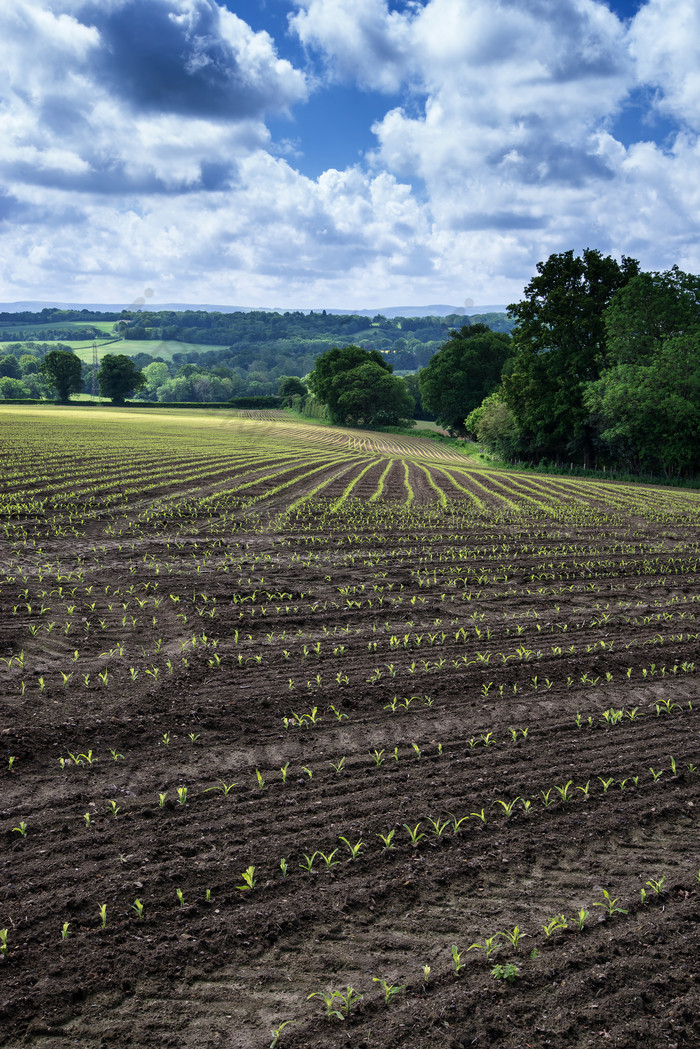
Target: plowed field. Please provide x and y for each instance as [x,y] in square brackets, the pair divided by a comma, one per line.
[317,738]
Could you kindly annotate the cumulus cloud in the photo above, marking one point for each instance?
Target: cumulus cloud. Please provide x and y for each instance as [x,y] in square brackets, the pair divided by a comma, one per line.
[136,150]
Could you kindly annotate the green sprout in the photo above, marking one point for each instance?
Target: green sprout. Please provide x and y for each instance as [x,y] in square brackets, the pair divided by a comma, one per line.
[102,907]
[557,922]
[22,829]
[3,941]
[457,962]
[138,907]
[390,990]
[610,904]
[181,897]
[249,879]
[507,972]
[354,849]
[489,946]
[277,1031]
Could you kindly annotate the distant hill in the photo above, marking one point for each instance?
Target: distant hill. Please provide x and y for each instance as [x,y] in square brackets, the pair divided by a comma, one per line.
[385,311]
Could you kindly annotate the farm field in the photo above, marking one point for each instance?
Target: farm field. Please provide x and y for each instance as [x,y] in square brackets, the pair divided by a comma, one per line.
[307,730]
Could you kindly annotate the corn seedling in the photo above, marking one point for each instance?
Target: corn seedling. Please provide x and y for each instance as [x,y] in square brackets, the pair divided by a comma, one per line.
[283,867]
[514,937]
[181,897]
[489,946]
[259,777]
[338,766]
[222,787]
[557,922]
[439,826]
[3,941]
[182,795]
[580,919]
[610,904]
[457,821]
[657,886]
[605,783]
[507,805]
[353,849]
[657,775]
[338,1003]
[413,833]
[249,879]
[22,829]
[328,859]
[277,1031]
[426,974]
[387,839]
[64,930]
[102,907]
[390,989]
[137,906]
[479,815]
[306,864]
[304,768]
[378,757]
[457,962]
[283,770]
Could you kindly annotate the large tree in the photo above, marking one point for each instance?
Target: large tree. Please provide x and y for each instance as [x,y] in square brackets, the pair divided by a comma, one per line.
[464,371]
[357,385]
[646,403]
[119,377]
[560,345]
[63,370]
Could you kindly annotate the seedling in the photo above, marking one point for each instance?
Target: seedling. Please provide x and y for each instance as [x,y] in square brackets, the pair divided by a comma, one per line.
[3,941]
[489,946]
[306,864]
[64,930]
[354,849]
[344,1000]
[388,839]
[580,920]
[457,959]
[283,867]
[116,756]
[507,972]
[283,770]
[513,937]
[426,974]
[222,787]
[606,783]
[138,907]
[22,829]
[103,914]
[390,990]
[338,766]
[182,795]
[564,792]
[259,777]
[657,886]
[507,805]
[413,833]
[328,859]
[181,897]
[277,1031]
[378,757]
[249,879]
[657,775]
[457,821]
[439,827]
[557,922]
[610,904]
[479,815]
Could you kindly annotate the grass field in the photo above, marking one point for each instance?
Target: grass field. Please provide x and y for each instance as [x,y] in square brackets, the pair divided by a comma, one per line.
[316,737]
[164,349]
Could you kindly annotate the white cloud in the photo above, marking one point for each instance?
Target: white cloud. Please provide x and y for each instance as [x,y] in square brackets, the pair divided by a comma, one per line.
[665,42]
[135,149]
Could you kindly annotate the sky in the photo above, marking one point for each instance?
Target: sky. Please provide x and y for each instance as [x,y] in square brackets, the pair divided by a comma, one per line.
[304,154]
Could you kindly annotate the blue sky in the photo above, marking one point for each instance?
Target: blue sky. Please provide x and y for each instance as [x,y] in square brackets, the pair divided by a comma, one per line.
[317,153]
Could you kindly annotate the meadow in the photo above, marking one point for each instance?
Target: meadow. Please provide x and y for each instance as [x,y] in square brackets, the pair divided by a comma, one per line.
[317,737]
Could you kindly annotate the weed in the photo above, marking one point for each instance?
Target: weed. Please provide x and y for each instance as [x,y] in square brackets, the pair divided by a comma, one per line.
[507,972]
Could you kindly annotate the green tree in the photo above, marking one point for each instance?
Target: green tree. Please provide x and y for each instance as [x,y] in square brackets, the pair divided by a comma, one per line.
[463,372]
[290,386]
[560,345]
[118,377]
[373,396]
[648,413]
[10,389]
[155,374]
[494,426]
[646,403]
[63,370]
[332,377]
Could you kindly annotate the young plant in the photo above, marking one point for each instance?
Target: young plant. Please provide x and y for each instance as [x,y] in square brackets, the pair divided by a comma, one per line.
[489,946]
[249,879]
[507,972]
[64,930]
[277,1031]
[137,906]
[354,849]
[413,833]
[3,940]
[610,904]
[557,922]
[307,863]
[580,920]
[390,989]
[457,962]
[514,937]
[181,897]
[102,907]
[387,839]
[222,787]
[182,795]
[22,829]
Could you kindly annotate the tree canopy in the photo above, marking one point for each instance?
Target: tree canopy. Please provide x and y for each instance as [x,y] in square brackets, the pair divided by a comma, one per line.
[560,345]
[63,370]
[464,371]
[357,385]
[118,377]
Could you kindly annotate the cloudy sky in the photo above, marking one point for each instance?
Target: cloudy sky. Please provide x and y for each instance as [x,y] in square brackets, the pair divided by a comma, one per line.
[341,153]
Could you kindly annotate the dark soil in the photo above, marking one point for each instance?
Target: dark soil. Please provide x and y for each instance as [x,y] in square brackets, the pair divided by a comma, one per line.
[268,652]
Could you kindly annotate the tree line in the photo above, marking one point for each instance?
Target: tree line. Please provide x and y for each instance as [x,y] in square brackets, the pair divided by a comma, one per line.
[602,369]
